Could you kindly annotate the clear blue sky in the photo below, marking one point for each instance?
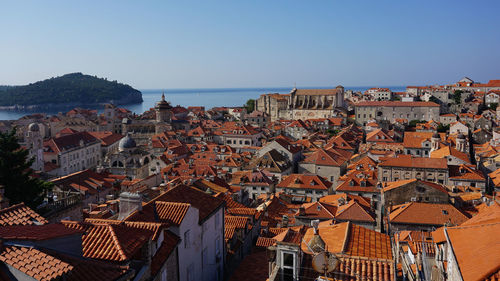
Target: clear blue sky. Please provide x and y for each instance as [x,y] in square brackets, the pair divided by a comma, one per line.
[198,44]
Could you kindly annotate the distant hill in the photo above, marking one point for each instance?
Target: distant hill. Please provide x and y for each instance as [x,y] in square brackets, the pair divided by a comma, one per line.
[73,88]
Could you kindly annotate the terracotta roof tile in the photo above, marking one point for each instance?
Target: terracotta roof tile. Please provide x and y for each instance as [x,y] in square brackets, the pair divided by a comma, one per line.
[414,162]
[34,263]
[36,232]
[352,240]
[304,181]
[109,241]
[236,221]
[476,249]
[426,214]
[20,214]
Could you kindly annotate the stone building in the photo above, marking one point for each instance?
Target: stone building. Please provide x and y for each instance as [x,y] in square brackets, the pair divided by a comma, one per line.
[405,167]
[302,104]
[34,143]
[413,190]
[392,110]
[130,160]
[72,153]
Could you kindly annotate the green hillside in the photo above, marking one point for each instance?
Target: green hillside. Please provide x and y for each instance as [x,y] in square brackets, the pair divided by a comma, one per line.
[70,88]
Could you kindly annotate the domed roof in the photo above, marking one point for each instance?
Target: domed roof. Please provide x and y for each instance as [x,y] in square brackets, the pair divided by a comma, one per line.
[126,143]
[163,104]
[33,127]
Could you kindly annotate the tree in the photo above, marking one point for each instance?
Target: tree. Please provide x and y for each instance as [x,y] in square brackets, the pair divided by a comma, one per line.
[413,123]
[457,96]
[15,173]
[443,128]
[493,106]
[250,105]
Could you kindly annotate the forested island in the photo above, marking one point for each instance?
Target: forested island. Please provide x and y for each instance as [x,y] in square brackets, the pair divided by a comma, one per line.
[69,89]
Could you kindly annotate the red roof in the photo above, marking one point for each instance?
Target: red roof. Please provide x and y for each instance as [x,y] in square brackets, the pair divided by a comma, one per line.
[107,138]
[304,181]
[20,214]
[110,242]
[205,203]
[36,232]
[414,162]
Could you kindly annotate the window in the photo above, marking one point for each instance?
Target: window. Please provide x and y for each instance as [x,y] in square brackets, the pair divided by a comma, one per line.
[287,265]
[187,239]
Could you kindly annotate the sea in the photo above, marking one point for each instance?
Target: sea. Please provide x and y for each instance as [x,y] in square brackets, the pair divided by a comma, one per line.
[188,97]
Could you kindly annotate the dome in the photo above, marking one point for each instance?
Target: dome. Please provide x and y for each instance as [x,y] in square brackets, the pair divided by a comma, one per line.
[460,136]
[126,143]
[436,136]
[33,127]
[163,104]
[339,86]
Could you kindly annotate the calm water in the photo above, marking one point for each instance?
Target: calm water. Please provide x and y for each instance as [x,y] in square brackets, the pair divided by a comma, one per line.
[190,97]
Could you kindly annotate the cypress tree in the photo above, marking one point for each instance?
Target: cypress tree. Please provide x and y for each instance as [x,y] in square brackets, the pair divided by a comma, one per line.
[16,174]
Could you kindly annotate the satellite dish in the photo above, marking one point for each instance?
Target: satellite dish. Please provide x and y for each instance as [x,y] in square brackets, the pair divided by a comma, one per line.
[324,262]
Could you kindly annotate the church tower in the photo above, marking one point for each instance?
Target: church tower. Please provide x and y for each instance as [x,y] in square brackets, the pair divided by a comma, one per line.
[35,145]
[339,96]
[163,115]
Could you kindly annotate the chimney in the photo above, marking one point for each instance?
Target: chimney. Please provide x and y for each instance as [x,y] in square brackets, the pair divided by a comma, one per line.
[315,224]
[285,221]
[129,202]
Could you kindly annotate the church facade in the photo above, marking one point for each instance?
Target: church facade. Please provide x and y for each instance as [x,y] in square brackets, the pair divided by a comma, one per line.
[302,104]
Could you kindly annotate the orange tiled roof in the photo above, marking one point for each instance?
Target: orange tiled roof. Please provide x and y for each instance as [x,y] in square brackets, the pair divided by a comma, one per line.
[426,214]
[35,263]
[488,214]
[36,232]
[353,211]
[20,214]
[395,184]
[449,151]
[205,203]
[415,139]
[318,210]
[414,162]
[477,251]
[352,240]
[171,212]
[110,242]
[335,199]
[304,181]
[236,221]
[265,242]
[331,157]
